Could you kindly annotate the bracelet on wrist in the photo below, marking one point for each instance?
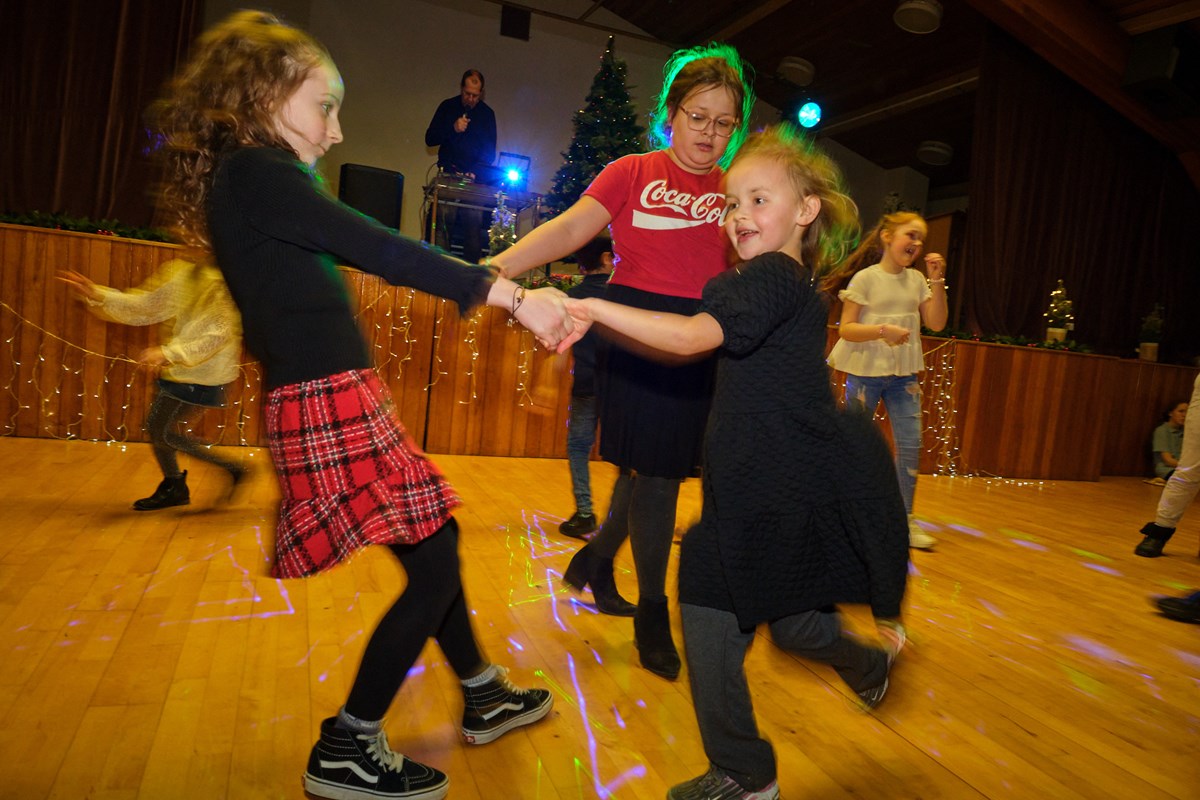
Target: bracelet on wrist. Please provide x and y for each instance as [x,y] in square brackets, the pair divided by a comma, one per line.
[518,299]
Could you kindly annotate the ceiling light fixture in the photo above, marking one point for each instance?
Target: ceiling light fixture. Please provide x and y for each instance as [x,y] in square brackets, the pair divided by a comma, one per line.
[797,71]
[937,154]
[918,16]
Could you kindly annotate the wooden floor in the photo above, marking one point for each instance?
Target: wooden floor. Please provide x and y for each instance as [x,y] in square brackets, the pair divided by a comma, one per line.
[149,656]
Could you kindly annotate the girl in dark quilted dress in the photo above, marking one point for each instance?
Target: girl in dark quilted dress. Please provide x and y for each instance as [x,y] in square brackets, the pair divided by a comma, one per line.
[801,508]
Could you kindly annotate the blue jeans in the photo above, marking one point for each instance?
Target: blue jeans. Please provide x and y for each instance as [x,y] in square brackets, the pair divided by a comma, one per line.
[581,435]
[901,395]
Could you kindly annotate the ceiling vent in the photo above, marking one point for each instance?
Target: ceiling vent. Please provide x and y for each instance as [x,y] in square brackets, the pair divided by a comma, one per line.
[798,71]
[918,16]
[937,154]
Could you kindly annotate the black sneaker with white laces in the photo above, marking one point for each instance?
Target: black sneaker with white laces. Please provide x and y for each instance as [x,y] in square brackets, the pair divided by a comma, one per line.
[496,707]
[346,765]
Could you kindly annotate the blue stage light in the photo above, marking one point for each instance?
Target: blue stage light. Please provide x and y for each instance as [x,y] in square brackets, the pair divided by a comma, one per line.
[513,176]
[808,115]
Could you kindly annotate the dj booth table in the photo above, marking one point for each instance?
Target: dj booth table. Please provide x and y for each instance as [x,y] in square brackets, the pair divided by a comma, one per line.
[453,191]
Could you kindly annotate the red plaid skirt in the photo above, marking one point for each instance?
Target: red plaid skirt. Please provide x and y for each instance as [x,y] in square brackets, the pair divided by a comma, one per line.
[349,474]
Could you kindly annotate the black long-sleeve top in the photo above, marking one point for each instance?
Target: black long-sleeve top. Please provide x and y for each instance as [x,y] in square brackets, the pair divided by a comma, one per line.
[469,151]
[276,236]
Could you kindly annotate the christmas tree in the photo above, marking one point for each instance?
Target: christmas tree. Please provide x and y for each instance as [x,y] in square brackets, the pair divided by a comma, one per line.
[502,234]
[605,129]
[1059,315]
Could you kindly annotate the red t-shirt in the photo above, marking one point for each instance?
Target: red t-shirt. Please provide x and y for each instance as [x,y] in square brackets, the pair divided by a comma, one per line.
[666,223]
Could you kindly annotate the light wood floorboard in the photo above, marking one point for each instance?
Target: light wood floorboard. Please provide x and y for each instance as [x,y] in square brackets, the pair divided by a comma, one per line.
[149,655]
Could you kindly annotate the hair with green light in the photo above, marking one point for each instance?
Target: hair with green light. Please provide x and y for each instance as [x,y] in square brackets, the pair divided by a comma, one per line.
[812,173]
[699,68]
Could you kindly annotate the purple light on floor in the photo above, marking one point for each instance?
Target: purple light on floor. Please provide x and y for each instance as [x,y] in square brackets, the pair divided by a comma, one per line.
[602,789]
[516,645]
[1030,545]
[1102,651]
[1104,569]
[991,609]
[969,531]
[1191,659]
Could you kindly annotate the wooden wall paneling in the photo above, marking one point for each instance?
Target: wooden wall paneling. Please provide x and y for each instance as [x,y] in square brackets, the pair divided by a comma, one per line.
[484,397]
[411,343]
[439,436]
[10,326]
[467,338]
[93,339]
[503,355]
[28,305]
[50,352]
[74,332]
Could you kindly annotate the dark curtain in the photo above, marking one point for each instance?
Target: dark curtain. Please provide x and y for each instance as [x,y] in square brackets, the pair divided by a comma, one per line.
[1064,187]
[76,77]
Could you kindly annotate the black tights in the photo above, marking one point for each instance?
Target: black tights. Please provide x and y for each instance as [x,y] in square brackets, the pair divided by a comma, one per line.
[162,423]
[642,510]
[432,604]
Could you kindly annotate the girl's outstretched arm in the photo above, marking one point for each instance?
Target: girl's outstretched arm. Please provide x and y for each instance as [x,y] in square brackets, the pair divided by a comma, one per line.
[559,237]
[670,333]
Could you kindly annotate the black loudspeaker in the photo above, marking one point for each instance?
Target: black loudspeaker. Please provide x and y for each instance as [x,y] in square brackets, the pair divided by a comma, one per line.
[1164,71]
[514,22]
[375,192]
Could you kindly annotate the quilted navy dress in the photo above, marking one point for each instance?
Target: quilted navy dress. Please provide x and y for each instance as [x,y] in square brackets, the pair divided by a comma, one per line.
[801,506]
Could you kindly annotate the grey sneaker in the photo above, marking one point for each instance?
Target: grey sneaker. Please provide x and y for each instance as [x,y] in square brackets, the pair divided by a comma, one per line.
[717,785]
[894,638]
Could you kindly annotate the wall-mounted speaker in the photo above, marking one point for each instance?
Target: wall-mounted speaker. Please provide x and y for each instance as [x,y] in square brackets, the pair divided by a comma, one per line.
[375,192]
[1164,71]
[514,22]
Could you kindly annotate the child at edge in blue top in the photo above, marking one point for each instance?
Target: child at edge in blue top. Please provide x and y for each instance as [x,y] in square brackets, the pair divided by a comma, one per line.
[801,509]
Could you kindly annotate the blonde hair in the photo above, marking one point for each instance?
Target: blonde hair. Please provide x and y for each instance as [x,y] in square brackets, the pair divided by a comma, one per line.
[239,73]
[871,249]
[812,173]
[710,66]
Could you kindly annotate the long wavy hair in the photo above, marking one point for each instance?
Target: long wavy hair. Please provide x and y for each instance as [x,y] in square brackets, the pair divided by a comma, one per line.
[708,66]
[831,235]
[870,250]
[239,73]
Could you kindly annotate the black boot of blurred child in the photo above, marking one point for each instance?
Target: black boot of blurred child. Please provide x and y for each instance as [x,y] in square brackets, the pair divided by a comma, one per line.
[172,491]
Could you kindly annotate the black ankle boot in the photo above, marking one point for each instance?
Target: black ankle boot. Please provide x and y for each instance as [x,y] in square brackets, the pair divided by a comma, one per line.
[588,569]
[652,635]
[170,492]
[1156,538]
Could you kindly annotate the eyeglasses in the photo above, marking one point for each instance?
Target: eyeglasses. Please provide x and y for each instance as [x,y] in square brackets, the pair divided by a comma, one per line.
[723,127]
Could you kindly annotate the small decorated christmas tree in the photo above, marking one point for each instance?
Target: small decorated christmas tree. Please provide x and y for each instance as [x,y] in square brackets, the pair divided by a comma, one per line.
[503,232]
[1059,314]
[606,128]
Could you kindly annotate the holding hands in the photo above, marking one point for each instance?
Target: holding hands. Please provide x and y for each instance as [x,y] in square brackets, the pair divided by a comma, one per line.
[543,312]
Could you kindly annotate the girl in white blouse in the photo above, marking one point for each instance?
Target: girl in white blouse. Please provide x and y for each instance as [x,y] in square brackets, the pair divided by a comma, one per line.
[879,348]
